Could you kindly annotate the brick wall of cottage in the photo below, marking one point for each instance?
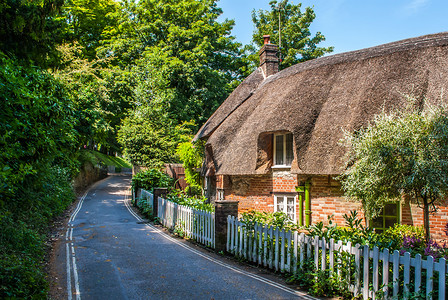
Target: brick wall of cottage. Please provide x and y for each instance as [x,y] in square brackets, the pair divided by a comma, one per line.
[326,200]
[257,193]
[413,215]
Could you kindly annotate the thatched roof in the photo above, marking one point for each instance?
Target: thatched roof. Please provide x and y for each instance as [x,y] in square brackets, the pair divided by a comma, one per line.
[318,99]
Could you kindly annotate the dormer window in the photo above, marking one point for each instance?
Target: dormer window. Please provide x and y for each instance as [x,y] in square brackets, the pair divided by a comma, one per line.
[283,149]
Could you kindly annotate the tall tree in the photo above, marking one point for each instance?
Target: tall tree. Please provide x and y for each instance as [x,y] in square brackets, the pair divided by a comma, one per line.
[184,62]
[199,58]
[102,92]
[287,22]
[102,96]
[401,153]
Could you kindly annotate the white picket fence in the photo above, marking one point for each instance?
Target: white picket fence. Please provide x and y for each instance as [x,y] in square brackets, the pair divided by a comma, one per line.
[146,199]
[196,224]
[368,271]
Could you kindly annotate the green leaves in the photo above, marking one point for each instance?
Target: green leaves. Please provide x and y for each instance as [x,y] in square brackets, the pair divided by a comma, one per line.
[150,138]
[36,122]
[184,63]
[150,179]
[181,44]
[400,153]
[297,43]
[23,30]
[191,156]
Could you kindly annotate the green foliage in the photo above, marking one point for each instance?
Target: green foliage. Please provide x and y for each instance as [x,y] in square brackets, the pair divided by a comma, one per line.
[24,30]
[149,140]
[277,219]
[36,126]
[100,94]
[150,179]
[21,274]
[191,156]
[145,207]
[183,43]
[88,21]
[178,230]
[355,232]
[23,222]
[322,282]
[297,43]
[98,157]
[403,152]
[196,202]
[394,236]
[184,63]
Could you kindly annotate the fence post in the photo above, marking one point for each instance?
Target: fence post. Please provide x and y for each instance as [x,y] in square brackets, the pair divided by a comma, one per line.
[158,192]
[223,209]
[135,196]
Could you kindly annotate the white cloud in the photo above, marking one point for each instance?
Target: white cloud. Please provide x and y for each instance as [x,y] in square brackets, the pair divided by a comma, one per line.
[414,6]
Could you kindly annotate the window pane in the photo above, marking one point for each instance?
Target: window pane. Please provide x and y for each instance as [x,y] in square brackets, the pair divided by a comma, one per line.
[280,204]
[390,222]
[377,222]
[391,209]
[290,208]
[279,150]
[289,151]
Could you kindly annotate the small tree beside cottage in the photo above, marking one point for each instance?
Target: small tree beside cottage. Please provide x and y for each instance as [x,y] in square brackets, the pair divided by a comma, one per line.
[400,153]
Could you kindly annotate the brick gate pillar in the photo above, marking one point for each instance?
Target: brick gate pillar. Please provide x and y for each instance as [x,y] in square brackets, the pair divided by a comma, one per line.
[158,192]
[223,208]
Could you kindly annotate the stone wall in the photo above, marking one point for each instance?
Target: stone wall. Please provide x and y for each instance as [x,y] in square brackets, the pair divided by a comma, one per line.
[88,175]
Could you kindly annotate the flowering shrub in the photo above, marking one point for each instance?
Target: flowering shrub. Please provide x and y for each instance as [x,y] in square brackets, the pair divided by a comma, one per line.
[416,244]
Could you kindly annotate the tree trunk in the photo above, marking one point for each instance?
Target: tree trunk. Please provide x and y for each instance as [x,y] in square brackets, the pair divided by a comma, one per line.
[426,218]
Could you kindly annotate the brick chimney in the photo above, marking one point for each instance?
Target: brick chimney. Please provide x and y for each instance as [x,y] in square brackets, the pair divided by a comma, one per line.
[268,57]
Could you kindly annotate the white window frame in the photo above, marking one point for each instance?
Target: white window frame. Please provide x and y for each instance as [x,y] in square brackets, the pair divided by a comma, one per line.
[284,149]
[219,194]
[285,205]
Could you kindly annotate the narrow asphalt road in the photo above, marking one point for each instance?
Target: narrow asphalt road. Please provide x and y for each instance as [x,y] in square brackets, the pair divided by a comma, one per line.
[109,254]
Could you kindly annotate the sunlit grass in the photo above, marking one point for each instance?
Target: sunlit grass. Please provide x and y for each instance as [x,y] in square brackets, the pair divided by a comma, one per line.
[110,160]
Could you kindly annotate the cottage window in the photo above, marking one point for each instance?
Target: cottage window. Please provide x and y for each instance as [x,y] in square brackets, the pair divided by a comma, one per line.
[286,204]
[220,194]
[388,217]
[283,152]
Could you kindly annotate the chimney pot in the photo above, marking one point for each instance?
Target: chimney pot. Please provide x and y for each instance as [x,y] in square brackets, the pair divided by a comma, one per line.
[267,39]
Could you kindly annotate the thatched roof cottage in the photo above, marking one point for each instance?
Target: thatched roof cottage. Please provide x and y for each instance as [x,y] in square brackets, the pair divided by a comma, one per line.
[279,130]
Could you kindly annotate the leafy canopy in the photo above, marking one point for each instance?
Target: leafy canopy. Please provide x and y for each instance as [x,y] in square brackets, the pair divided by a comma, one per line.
[151,139]
[183,42]
[184,63]
[36,124]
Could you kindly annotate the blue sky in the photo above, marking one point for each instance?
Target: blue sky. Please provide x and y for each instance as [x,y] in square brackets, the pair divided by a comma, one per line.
[352,24]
